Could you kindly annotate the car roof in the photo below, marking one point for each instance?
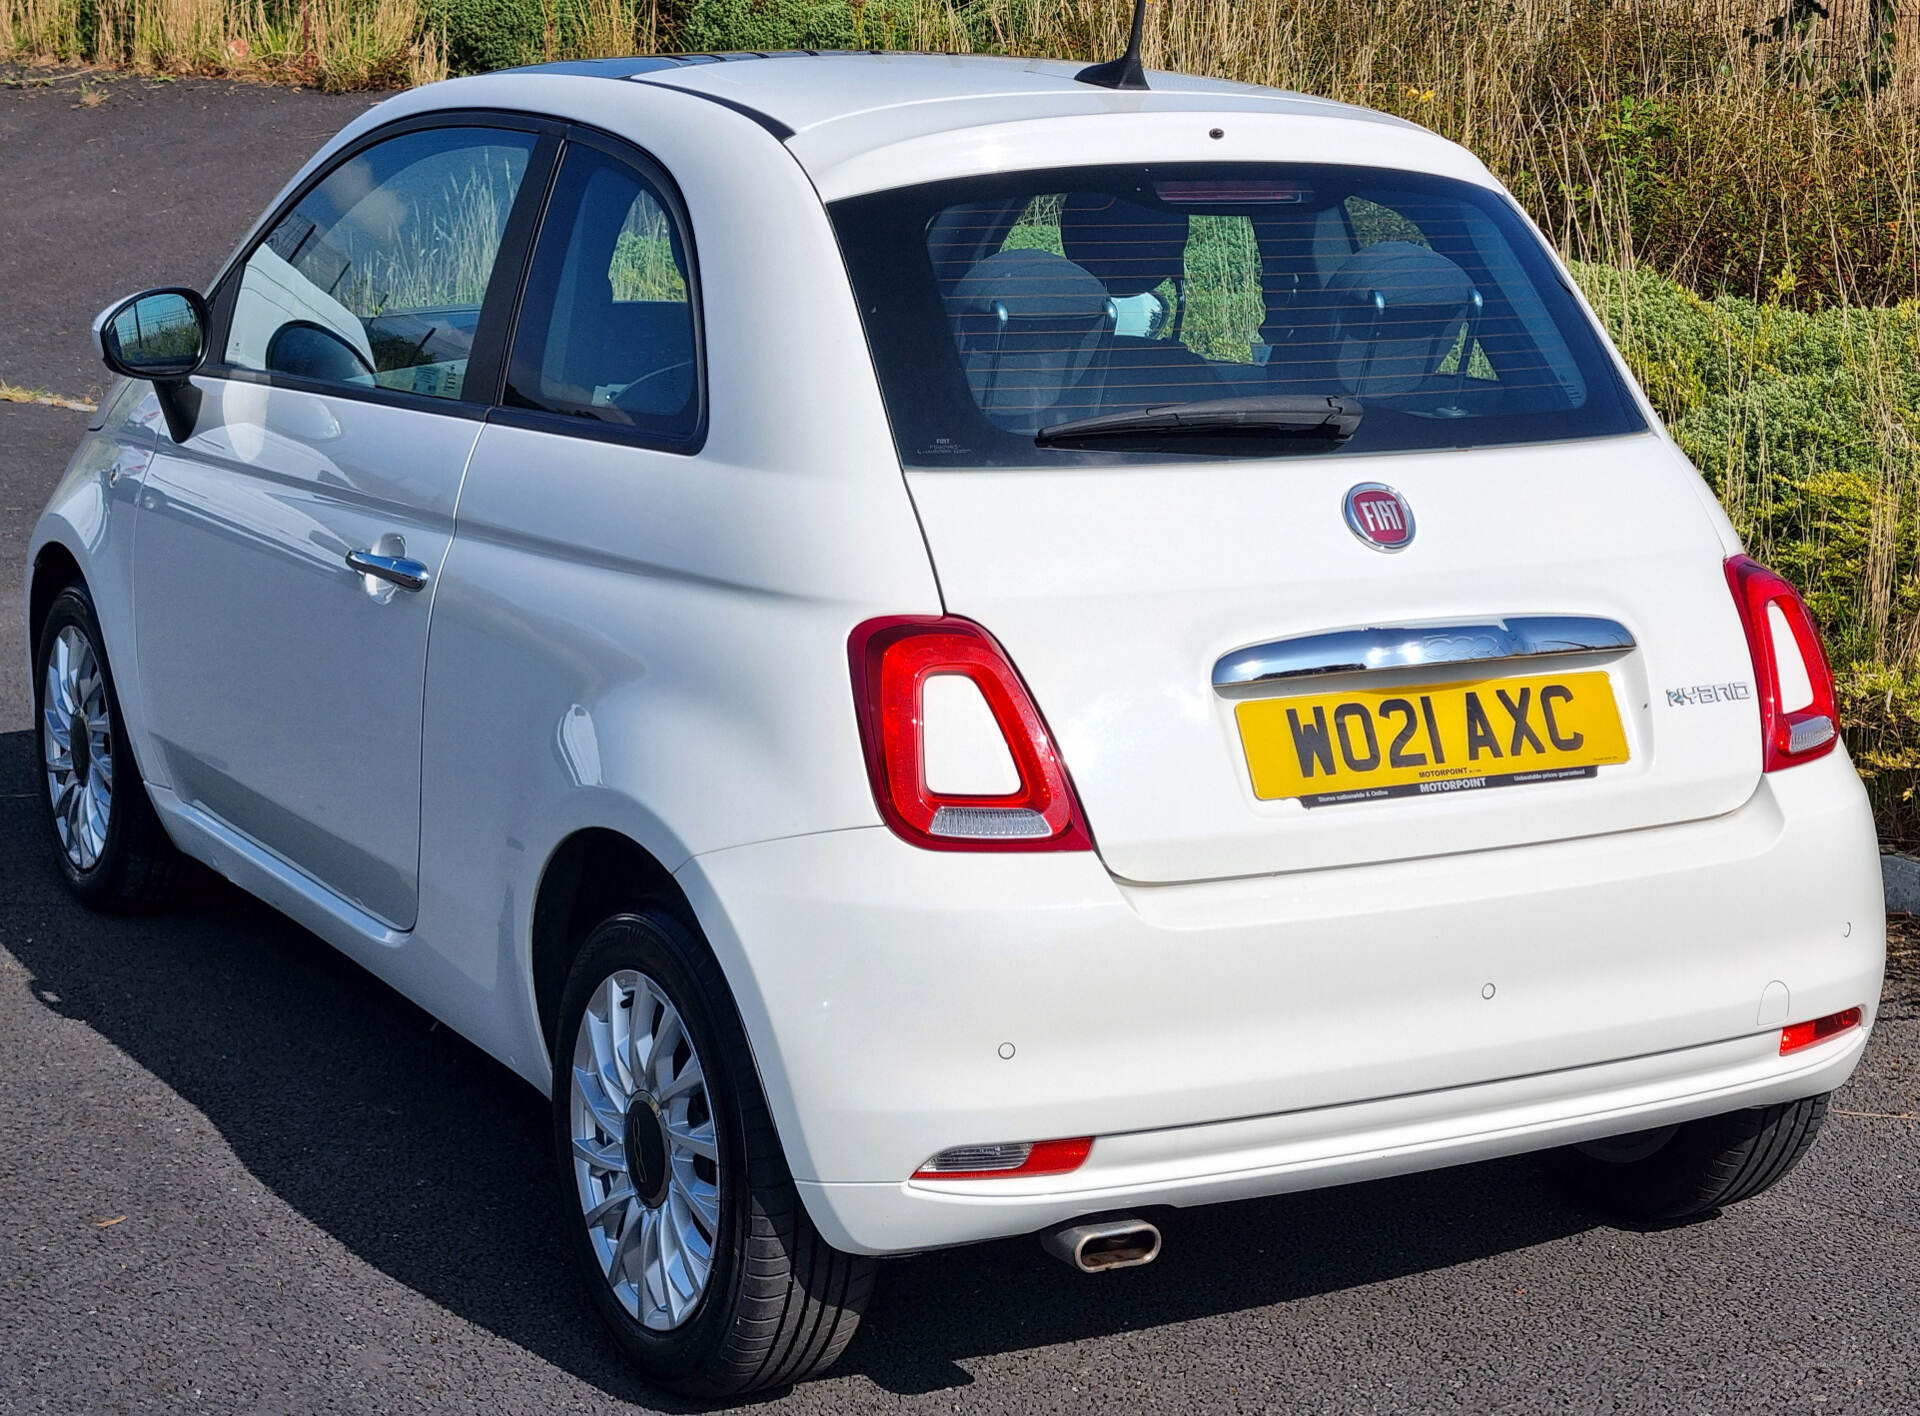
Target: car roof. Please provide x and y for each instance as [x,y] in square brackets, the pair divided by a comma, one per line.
[800,90]
[833,107]
[866,120]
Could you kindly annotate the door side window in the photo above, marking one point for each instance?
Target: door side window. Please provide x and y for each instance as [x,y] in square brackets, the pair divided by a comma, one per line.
[607,331]
[376,278]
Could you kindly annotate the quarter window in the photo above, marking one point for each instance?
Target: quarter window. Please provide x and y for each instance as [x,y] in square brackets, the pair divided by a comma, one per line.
[376,278]
[606,330]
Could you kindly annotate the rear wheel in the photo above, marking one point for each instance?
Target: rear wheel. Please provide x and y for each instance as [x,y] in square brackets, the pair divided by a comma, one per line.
[106,838]
[1677,1172]
[683,1215]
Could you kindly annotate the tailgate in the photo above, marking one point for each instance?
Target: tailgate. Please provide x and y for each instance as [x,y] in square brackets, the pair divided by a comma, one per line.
[1141,604]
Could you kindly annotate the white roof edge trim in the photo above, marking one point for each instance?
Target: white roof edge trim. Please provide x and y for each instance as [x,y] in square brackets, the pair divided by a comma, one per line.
[1110,138]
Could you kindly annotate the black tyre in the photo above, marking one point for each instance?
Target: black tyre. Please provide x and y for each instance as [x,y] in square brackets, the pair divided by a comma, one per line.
[106,839]
[1681,1171]
[677,1198]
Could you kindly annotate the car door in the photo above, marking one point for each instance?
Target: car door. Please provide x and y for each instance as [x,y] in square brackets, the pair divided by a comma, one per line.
[286,553]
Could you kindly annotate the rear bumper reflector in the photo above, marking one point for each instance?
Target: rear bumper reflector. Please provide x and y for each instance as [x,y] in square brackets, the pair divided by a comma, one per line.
[1007,1158]
[1799,1035]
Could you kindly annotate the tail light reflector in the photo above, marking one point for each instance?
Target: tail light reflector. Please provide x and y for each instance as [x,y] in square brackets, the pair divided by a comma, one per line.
[1799,719]
[997,1162]
[1799,1035]
[893,661]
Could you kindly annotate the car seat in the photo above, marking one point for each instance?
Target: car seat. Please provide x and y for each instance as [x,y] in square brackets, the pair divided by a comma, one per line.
[1132,249]
[1402,310]
[1030,326]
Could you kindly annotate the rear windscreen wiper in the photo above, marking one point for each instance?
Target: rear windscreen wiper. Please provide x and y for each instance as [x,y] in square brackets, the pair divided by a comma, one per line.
[1306,422]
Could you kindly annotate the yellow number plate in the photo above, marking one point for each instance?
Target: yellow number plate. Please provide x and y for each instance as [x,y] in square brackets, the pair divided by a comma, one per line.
[1366,744]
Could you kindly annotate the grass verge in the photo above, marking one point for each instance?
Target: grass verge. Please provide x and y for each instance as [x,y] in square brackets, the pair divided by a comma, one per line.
[9,393]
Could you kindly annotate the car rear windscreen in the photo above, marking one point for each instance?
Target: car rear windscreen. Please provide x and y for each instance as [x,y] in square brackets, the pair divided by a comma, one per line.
[1001,307]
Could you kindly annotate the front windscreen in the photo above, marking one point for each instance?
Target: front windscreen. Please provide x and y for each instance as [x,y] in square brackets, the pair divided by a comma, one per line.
[1002,308]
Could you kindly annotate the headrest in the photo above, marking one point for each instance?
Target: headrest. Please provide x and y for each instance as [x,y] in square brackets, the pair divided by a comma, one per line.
[1406,276]
[1129,249]
[1031,285]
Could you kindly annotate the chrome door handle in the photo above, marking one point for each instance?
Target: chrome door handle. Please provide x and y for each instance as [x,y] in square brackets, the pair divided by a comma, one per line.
[395,570]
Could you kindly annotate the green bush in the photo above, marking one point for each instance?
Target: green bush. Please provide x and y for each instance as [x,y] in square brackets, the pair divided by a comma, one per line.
[716,26]
[719,25]
[482,35]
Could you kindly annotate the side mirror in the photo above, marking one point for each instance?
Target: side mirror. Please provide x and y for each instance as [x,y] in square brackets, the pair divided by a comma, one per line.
[159,335]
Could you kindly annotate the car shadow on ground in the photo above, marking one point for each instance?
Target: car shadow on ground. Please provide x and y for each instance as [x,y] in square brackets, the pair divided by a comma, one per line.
[377,1124]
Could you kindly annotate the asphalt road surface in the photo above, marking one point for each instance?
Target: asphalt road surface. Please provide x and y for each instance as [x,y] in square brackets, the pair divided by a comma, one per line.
[237,1174]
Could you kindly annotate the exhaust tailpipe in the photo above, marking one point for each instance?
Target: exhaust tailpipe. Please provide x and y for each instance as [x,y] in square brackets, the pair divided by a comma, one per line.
[1099,1245]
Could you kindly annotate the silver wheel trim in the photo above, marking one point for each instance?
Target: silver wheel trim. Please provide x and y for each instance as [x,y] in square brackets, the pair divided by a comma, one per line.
[74,701]
[657,1259]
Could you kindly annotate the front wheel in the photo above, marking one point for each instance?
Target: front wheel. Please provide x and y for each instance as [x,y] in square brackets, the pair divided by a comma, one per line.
[1677,1172]
[107,841]
[684,1218]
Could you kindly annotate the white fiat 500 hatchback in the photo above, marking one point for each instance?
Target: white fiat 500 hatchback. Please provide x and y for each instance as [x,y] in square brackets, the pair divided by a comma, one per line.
[940,650]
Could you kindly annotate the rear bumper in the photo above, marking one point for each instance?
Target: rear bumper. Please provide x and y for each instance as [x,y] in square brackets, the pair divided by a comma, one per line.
[1248,1037]
[1338,1145]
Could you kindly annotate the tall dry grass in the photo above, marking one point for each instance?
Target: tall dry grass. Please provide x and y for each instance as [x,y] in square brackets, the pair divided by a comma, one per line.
[1655,131]
[605,29]
[334,44]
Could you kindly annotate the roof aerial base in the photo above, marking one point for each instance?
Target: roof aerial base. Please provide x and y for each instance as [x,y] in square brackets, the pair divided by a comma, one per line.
[1124,72]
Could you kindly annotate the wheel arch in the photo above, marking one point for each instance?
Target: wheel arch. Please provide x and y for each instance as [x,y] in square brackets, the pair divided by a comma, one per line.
[596,872]
[592,874]
[54,568]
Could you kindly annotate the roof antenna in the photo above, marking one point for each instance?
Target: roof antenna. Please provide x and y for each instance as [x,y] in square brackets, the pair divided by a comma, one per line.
[1124,72]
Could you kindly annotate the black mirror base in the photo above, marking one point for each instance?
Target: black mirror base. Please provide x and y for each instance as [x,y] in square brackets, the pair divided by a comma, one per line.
[180,404]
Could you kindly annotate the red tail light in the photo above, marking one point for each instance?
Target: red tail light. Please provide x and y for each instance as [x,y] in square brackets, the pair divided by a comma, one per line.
[1799,1035]
[1799,720]
[892,660]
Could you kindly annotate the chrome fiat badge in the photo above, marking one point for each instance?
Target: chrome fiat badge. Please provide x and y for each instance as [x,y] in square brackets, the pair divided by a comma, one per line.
[1379,516]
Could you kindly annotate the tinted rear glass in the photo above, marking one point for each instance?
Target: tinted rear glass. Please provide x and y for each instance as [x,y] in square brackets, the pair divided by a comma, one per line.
[1000,306]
